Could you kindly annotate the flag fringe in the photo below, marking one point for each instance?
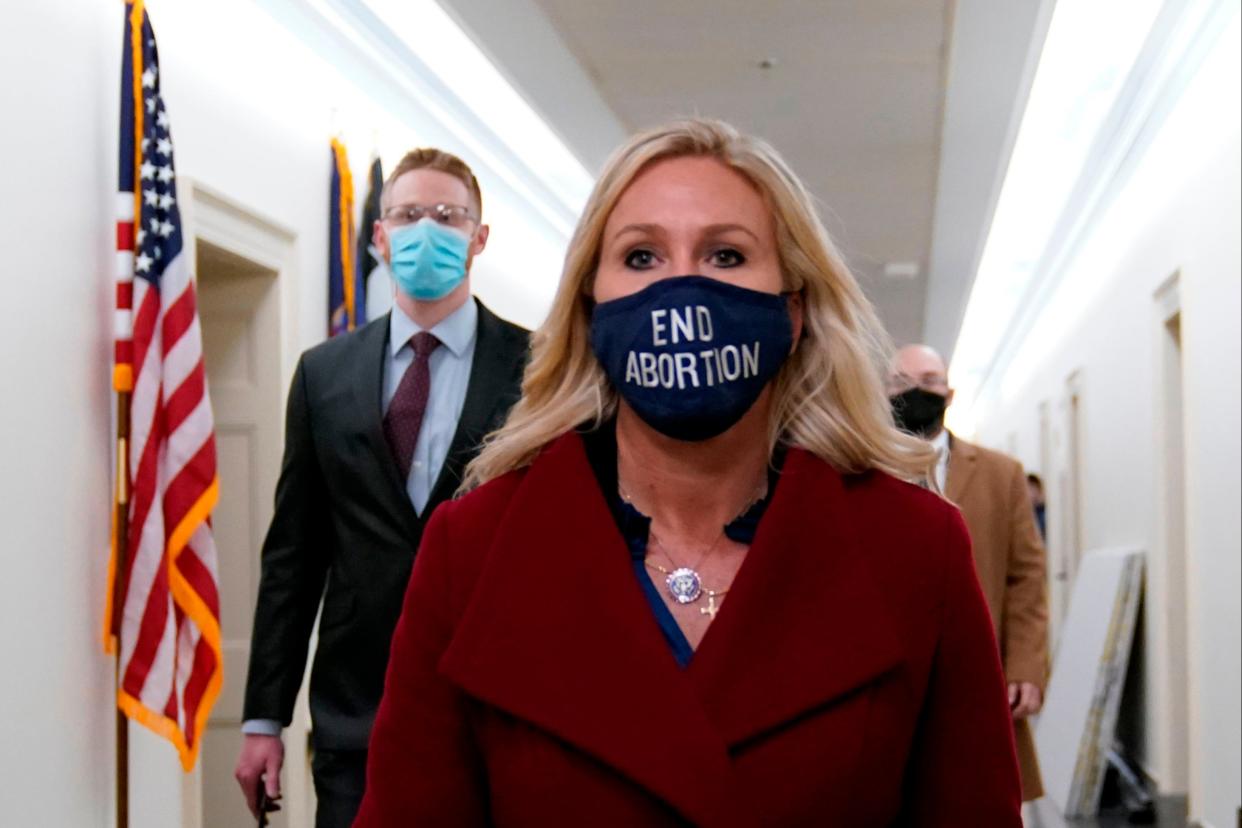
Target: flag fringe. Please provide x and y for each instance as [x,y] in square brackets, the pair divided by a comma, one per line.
[209,628]
[109,635]
[183,594]
[161,725]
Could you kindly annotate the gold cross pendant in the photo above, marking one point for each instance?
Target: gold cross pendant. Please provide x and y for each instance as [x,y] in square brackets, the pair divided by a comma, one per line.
[711,608]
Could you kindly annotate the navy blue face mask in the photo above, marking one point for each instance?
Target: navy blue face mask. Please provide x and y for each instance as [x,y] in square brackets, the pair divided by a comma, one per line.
[690,354]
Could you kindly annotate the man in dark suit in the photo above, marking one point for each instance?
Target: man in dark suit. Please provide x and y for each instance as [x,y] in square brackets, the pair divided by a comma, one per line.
[381,423]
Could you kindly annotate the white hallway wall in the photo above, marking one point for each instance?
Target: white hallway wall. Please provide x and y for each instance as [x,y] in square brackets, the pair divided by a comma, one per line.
[1178,214]
[56,726]
[252,109]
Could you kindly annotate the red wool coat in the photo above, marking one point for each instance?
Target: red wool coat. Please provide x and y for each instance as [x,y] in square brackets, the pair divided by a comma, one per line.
[850,679]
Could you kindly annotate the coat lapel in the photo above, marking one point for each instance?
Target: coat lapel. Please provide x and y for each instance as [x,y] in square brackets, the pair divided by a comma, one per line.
[559,634]
[369,398]
[804,604]
[491,375]
[962,457]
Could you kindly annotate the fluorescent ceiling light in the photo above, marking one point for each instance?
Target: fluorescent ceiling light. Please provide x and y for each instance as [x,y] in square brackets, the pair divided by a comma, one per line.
[1202,127]
[901,270]
[1087,56]
[436,39]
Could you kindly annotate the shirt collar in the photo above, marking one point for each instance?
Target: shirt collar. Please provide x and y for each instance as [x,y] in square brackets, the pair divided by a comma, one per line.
[455,331]
[941,443]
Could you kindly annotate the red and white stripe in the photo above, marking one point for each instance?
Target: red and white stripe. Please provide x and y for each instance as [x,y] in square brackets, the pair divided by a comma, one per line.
[123,320]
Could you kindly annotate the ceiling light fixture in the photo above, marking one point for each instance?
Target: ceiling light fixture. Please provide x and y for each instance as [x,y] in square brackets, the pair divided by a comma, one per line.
[444,48]
[1078,82]
[901,270]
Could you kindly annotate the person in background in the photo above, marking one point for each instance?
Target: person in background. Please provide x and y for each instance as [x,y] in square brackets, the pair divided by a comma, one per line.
[1035,490]
[990,489]
[693,583]
[381,423]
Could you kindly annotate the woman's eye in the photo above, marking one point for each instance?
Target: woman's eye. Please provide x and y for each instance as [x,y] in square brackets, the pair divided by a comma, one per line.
[726,257]
[640,259]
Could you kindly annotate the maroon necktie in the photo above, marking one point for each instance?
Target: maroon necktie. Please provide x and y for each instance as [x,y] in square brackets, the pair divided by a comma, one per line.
[409,403]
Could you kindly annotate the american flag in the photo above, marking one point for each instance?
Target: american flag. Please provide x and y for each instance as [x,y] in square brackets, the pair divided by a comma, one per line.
[167,615]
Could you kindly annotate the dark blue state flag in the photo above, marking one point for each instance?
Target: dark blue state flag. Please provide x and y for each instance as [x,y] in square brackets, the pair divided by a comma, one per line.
[345,306]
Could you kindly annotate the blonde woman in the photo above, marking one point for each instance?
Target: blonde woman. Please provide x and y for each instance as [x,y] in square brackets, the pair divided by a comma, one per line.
[691,585]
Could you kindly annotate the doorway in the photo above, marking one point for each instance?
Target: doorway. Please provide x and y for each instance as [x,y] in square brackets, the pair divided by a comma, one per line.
[1056,574]
[237,307]
[1073,506]
[1170,607]
[1064,491]
[243,265]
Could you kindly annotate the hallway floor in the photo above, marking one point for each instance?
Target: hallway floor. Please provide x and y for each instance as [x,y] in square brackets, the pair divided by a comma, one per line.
[1170,813]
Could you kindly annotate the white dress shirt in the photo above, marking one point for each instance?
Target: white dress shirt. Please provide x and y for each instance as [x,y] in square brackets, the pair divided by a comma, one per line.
[941,444]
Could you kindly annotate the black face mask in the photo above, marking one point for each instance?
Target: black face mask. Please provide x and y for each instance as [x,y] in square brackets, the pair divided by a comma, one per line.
[919,412]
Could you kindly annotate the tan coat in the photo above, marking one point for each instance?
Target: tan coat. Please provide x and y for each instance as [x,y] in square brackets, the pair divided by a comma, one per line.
[990,489]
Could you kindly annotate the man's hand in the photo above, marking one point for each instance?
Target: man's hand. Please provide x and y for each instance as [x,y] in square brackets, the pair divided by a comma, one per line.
[259,764]
[1025,699]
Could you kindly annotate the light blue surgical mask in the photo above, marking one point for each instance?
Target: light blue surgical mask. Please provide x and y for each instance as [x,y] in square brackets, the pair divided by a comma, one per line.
[427,259]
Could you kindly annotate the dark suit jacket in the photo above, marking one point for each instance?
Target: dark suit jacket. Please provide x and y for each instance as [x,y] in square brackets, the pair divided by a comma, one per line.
[345,530]
[851,677]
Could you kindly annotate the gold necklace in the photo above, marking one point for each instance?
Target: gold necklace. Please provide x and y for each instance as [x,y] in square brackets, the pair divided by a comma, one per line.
[684,583]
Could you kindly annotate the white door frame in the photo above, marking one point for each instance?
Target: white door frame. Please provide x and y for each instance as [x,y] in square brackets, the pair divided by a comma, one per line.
[226,223]
[1072,509]
[1170,565]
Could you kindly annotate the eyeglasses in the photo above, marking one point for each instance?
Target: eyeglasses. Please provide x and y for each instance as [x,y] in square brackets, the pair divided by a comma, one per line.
[904,382]
[453,215]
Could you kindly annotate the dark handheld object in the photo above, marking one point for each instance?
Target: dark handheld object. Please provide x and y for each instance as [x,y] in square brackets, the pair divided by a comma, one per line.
[266,805]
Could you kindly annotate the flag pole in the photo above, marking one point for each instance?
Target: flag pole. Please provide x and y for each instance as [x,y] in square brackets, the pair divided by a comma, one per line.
[121,524]
[124,384]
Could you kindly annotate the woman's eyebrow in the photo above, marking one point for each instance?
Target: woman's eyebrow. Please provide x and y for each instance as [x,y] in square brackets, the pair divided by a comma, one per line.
[708,231]
[718,229]
[645,229]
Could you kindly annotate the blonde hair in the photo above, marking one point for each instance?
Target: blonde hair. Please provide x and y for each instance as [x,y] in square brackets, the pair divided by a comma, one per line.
[828,397]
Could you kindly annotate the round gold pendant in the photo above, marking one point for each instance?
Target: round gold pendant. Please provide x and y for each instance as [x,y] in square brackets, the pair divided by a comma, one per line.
[684,585]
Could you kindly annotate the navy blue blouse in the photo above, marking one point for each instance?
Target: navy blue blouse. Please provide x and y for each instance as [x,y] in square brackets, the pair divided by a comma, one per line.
[601,449]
